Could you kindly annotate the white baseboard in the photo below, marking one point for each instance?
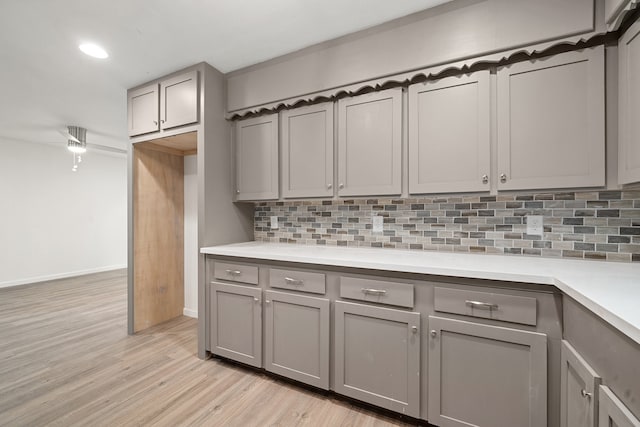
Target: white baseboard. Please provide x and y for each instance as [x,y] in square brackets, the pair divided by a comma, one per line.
[49,277]
[190,313]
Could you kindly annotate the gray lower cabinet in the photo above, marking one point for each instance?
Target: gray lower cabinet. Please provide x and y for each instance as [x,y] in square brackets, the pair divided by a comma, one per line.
[235,315]
[579,388]
[377,356]
[612,412]
[297,337]
[483,375]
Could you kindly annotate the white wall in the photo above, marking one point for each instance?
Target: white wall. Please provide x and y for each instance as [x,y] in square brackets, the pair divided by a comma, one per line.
[190,236]
[57,223]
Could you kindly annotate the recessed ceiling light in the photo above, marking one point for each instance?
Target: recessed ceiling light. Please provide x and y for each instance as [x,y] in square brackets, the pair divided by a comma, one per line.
[94,50]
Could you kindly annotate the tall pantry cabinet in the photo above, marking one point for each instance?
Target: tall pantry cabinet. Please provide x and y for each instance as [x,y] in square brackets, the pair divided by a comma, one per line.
[171,117]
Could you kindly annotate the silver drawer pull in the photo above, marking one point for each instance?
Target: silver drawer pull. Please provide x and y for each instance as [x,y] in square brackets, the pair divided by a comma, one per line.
[291,281]
[482,305]
[374,291]
[586,394]
[234,272]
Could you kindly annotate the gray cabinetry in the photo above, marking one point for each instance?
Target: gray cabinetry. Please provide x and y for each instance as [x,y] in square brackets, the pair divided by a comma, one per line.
[483,375]
[616,10]
[629,105]
[297,337]
[612,412]
[307,151]
[235,322]
[579,390]
[143,110]
[377,356]
[449,134]
[257,158]
[179,100]
[164,105]
[550,122]
[370,144]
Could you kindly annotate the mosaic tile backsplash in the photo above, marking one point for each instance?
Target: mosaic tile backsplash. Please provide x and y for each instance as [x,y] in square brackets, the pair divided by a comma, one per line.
[599,225]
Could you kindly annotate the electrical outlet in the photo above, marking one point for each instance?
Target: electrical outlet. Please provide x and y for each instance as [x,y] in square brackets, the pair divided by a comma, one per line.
[274,222]
[377,222]
[535,225]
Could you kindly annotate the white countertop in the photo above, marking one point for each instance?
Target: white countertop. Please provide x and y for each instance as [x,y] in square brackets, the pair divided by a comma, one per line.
[610,290]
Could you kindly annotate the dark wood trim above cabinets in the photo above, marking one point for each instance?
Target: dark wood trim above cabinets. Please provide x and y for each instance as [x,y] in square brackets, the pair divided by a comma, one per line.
[453,35]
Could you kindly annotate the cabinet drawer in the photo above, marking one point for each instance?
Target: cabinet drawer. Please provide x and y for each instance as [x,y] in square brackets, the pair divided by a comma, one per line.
[297,280]
[508,308]
[383,292]
[236,272]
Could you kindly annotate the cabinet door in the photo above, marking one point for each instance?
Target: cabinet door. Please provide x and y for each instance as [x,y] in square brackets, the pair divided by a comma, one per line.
[629,105]
[370,144]
[179,100]
[297,337]
[142,109]
[482,375]
[612,412]
[449,134]
[377,356]
[579,388]
[235,313]
[307,151]
[257,158]
[551,122]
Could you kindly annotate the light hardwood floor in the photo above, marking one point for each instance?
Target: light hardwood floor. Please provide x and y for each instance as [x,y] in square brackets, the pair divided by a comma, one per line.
[66,360]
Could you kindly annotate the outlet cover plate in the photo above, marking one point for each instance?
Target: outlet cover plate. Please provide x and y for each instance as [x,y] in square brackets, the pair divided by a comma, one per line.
[377,221]
[535,225]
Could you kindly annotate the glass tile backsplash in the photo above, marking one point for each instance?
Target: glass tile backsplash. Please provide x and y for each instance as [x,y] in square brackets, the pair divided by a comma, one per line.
[599,225]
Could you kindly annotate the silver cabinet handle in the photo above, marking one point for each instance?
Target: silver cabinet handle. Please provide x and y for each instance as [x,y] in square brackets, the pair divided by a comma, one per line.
[162,121]
[485,179]
[256,299]
[374,291]
[329,186]
[237,191]
[414,329]
[268,301]
[586,394]
[503,177]
[234,272]
[155,122]
[481,305]
[291,281]
[341,185]
[434,333]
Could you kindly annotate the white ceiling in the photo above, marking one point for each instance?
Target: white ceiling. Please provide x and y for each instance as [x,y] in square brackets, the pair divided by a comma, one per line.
[46,83]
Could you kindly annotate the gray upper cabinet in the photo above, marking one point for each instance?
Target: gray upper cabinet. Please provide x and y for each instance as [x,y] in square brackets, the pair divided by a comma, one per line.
[257,158]
[377,356]
[297,337]
[550,122]
[612,412]
[449,134]
[482,375]
[370,144]
[629,105]
[579,390]
[143,110]
[235,328]
[179,100]
[168,104]
[307,151]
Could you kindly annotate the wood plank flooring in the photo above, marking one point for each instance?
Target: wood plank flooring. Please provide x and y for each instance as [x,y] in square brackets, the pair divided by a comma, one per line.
[66,360]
